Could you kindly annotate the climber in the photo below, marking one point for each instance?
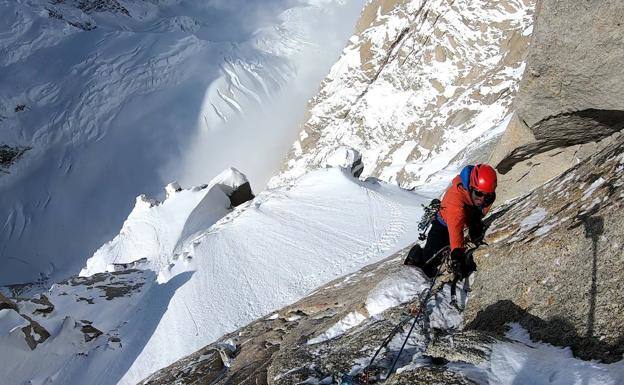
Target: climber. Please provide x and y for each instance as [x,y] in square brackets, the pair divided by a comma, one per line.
[463,206]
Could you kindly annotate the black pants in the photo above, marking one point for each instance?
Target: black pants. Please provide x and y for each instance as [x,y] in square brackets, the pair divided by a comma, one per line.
[437,239]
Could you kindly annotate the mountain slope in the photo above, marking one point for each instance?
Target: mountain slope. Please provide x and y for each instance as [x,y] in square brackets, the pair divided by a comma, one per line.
[422,86]
[537,284]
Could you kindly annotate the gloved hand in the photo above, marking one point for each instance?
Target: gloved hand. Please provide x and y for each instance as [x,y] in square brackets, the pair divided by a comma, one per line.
[458,262]
[476,231]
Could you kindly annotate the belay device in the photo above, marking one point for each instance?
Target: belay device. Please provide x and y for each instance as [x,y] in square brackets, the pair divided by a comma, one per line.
[428,216]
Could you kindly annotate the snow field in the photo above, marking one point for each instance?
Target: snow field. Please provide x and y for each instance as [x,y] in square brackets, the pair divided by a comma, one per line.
[193,287]
[523,361]
[284,244]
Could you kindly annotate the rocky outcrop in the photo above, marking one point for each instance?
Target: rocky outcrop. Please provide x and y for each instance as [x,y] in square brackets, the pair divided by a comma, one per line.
[235,185]
[347,158]
[55,321]
[77,13]
[572,91]
[6,303]
[9,155]
[32,332]
[555,264]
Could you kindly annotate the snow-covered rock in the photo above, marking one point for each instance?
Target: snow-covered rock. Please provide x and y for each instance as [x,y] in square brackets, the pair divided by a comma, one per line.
[420,88]
[348,158]
[154,231]
[235,185]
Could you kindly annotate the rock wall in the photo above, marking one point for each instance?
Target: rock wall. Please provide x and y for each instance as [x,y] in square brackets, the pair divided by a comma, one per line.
[556,263]
[572,91]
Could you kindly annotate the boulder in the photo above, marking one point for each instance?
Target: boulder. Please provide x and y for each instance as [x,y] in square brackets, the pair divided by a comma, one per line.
[235,185]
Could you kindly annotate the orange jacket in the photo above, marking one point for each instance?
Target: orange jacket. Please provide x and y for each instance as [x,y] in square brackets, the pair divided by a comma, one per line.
[456,210]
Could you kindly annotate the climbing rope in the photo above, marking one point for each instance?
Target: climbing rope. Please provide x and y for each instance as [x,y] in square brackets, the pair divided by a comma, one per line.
[364,376]
[415,314]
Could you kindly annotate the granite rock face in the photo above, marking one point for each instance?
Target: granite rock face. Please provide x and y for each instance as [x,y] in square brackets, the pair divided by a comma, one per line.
[556,264]
[572,91]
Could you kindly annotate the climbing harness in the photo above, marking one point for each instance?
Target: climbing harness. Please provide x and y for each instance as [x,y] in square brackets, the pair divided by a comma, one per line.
[429,214]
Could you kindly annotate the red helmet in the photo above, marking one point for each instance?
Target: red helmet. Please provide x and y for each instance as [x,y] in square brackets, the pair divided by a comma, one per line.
[483,178]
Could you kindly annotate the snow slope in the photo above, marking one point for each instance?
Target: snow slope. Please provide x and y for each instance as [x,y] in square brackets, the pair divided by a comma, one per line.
[117,98]
[257,258]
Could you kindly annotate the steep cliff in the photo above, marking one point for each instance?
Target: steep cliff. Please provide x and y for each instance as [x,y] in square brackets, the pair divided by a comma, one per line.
[421,82]
[556,263]
[573,89]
